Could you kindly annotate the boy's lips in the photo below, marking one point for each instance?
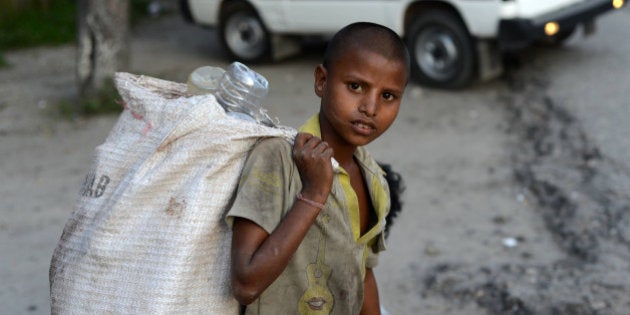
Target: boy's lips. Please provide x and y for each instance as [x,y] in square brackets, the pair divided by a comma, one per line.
[363,127]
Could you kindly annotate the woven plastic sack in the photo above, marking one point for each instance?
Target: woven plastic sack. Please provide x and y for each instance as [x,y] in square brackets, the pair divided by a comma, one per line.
[147,235]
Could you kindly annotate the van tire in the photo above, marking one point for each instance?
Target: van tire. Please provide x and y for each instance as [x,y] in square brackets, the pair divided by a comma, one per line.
[243,34]
[442,51]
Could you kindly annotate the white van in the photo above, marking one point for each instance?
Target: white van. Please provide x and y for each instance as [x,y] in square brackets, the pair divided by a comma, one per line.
[452,42]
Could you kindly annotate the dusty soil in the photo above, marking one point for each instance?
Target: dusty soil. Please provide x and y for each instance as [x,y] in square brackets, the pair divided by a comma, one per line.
[508,208]
[567,179]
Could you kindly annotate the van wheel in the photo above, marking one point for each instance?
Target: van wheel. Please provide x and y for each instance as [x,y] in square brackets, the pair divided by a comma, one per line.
[243,33]
[442,52]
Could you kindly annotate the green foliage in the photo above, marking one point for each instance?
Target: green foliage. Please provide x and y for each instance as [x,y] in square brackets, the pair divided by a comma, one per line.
[106,101]
[29,23]
[3,62]
[138,10]
[40,23]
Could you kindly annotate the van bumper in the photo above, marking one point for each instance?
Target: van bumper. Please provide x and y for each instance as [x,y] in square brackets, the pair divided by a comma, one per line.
[519,33]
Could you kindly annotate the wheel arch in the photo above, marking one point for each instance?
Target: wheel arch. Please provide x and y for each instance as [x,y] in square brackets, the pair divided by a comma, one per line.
[417,7]
[227,3]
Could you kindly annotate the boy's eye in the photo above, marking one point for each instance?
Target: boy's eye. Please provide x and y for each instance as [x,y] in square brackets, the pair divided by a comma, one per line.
[388,96]
[354,86]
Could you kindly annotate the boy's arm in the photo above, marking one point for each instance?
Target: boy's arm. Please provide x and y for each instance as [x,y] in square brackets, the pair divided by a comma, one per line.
[258,258]
[371,303]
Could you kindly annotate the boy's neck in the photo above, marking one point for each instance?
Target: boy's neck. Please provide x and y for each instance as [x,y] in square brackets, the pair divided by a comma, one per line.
[345,160]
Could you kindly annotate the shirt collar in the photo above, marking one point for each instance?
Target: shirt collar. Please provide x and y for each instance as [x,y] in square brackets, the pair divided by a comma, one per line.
[312,126]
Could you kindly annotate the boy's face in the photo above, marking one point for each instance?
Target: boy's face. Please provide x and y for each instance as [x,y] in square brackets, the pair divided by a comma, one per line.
[361,94]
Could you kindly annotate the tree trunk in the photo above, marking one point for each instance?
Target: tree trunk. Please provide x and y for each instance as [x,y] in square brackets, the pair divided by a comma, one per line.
[103,29]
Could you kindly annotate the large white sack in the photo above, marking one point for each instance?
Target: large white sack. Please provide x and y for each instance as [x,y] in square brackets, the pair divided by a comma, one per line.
[147,235]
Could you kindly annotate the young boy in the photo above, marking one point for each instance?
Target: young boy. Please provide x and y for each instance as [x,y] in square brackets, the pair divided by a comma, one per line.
[307,228]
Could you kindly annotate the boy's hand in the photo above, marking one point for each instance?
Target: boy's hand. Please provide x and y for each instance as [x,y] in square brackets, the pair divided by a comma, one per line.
[312,157]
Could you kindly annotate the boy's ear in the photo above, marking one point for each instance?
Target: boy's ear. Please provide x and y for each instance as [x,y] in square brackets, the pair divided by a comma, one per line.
[320,80]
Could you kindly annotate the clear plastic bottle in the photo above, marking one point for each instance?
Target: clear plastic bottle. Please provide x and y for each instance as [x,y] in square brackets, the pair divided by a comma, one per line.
[239,90]
[204,80]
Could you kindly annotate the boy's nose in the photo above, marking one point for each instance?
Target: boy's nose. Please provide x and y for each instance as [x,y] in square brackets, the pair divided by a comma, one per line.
[368,106]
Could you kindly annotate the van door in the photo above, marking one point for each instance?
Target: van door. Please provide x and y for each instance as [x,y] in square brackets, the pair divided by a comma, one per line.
[327,16]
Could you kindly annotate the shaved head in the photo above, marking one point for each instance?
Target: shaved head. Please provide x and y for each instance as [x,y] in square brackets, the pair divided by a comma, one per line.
[366,36]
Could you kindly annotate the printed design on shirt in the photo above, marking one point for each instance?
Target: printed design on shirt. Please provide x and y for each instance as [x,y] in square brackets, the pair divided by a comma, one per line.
[318,299]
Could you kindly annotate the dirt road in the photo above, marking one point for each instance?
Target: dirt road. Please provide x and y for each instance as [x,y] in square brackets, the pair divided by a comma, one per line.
[496,219]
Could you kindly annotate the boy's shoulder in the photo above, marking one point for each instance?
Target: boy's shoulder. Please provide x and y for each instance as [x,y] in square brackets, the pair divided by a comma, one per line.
[273,144]
[271,150]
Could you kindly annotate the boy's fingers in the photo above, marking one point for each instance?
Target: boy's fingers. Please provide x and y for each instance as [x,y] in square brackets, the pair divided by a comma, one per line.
[306,144]
[308,141]
[301,138]
[324,148]
[317,146]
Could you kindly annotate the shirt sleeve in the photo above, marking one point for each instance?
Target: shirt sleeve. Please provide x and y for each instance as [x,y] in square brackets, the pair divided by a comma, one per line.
[372,258]
[373,250]
[262,187]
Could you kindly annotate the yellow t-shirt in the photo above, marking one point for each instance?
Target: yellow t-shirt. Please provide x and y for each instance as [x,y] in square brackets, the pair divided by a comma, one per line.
[325,275]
